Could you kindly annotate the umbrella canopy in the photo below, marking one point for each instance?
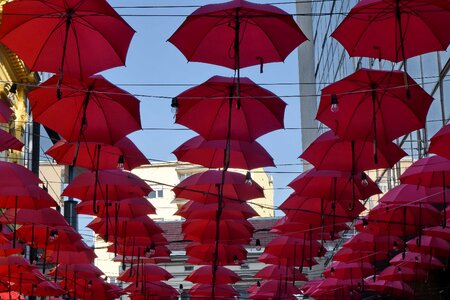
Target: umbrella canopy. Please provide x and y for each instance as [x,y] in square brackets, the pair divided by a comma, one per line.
[202,187]
[390,29]
[203,275]
[77,39]
[148,272]
[204,290]
[440,142]
[43,216]
[373,103]
[227,254]
[82,271]
[8,141]
[255,112]
[152,288]
[369,241]
[414,194]
[402,273]
[398,289]
[258,33]
[357,255]
[438,231]
[433,171]
[417,260]
[238,231]
[26,196]
[275,272]
[93,156]
[88,112]
[243,155]
[43,236]
[14,175]
[298,228]
[293,248]
[284,261]
[334,185]
[70,257]
[329,152]
[14,265]
[231,210]
[129,207]
[42,289]
[429,245]
[348,270]
[111,185]
[5,112]
[274,289]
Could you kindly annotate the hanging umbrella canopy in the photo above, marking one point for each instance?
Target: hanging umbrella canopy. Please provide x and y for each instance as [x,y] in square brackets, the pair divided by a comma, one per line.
[42,289]
[227,254]
[429,245]
[357,255]
[397,289]
[7,249]
[44,236]
[275,272]
[432,171]
[294,248]
[129,207]
[152,288]
[26,196]
[43,216]
[438,231]
[111,185]
[369,241]
[202,187]
[148,272]
[440,142]
[81,270]
[390,29]
[231,210]
[77,39]
[5,112]
[402,273]
[203,275]
[417,260]
[414,194]
[292,227]
[274,289]
[329,152]
[8,141]
[373,104]
[256,112]
[348,270]
[89,110]
[284,261]
[93,156]
[243,155]
[33,276]
[16,175]
[71,257]
[258,33]
[238,231]
[14,265]
[333,185]
[335,287]
[204,290]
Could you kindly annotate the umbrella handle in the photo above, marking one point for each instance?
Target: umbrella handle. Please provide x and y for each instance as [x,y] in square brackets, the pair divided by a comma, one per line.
[95,207]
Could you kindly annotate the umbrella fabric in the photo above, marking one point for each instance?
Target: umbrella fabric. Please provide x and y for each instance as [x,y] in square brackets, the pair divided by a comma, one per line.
[43,236]
[8,141]
[13,175]
[294,248]
[70,257]
[433,171]
[416,260]
[77,39]
[239,231]
[231,210]
[202,187]
[402,273]
[5,112]
[43,216]
[286,226]
[147,251]
[275,272]
[42,289]
[372,28]
[27,196]
[7,249]
[333,185]
[373,104]
[357,255]
[368,241]
[88,111]
[227,254]
[111,185]
[13,296]
[203,275]
[93,156]
[243,154]
[264,32]
[152,288]
[348,270]
[440,142]
[147,271]
[283,261]
[274,289]
[204,290]
[429,245]
[338,288]
[14,265]
[395,288]
[414,194]
[81,270]
[129,207]
[329,152]
[206,109]
[438,231]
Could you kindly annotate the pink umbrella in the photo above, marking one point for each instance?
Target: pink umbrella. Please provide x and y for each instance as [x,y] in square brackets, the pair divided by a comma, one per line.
[440,142]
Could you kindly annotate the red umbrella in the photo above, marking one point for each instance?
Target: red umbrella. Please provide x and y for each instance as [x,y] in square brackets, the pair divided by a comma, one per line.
[8,141]
[11,296]
[335,287]
[89,110]
[256,112]
[43,216]
[440,142]
[147,271]
[231,210]
[398,289]
[129,207]
[274,289]
[204,290]
[283,261]
[357,255]
[82,271]
[348,270]
[402,273]
[372,103]
[66,37]
[258,33]
[152,288]
[413,194]
[368,241]
[15,175]
[417,260]
[438,231]
[70,257]
[243,155]
[275,272]
[390,29]
[293,248]
[14,265]
[5,112]
[43,236]
[329,152]
[429,245]
[203,275]
[202,187]
[227,254]
[27,196]
[93,156]
[238,231]
[42,289]
[295,228]
[7,249]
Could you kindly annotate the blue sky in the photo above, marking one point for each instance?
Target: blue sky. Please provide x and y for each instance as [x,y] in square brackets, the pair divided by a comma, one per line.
[152,60]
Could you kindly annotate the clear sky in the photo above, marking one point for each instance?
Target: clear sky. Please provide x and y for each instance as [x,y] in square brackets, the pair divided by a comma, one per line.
[153,62]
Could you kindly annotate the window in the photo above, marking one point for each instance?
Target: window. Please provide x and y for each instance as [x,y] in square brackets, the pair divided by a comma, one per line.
[189,268]
[245,266]
[156,194]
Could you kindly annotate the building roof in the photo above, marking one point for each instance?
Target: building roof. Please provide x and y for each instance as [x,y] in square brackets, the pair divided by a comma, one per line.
[172,231]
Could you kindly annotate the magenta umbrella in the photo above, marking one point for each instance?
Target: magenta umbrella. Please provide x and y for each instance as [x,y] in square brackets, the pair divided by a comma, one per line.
[203,275]
[403,273]
[243,155]
[440,142]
